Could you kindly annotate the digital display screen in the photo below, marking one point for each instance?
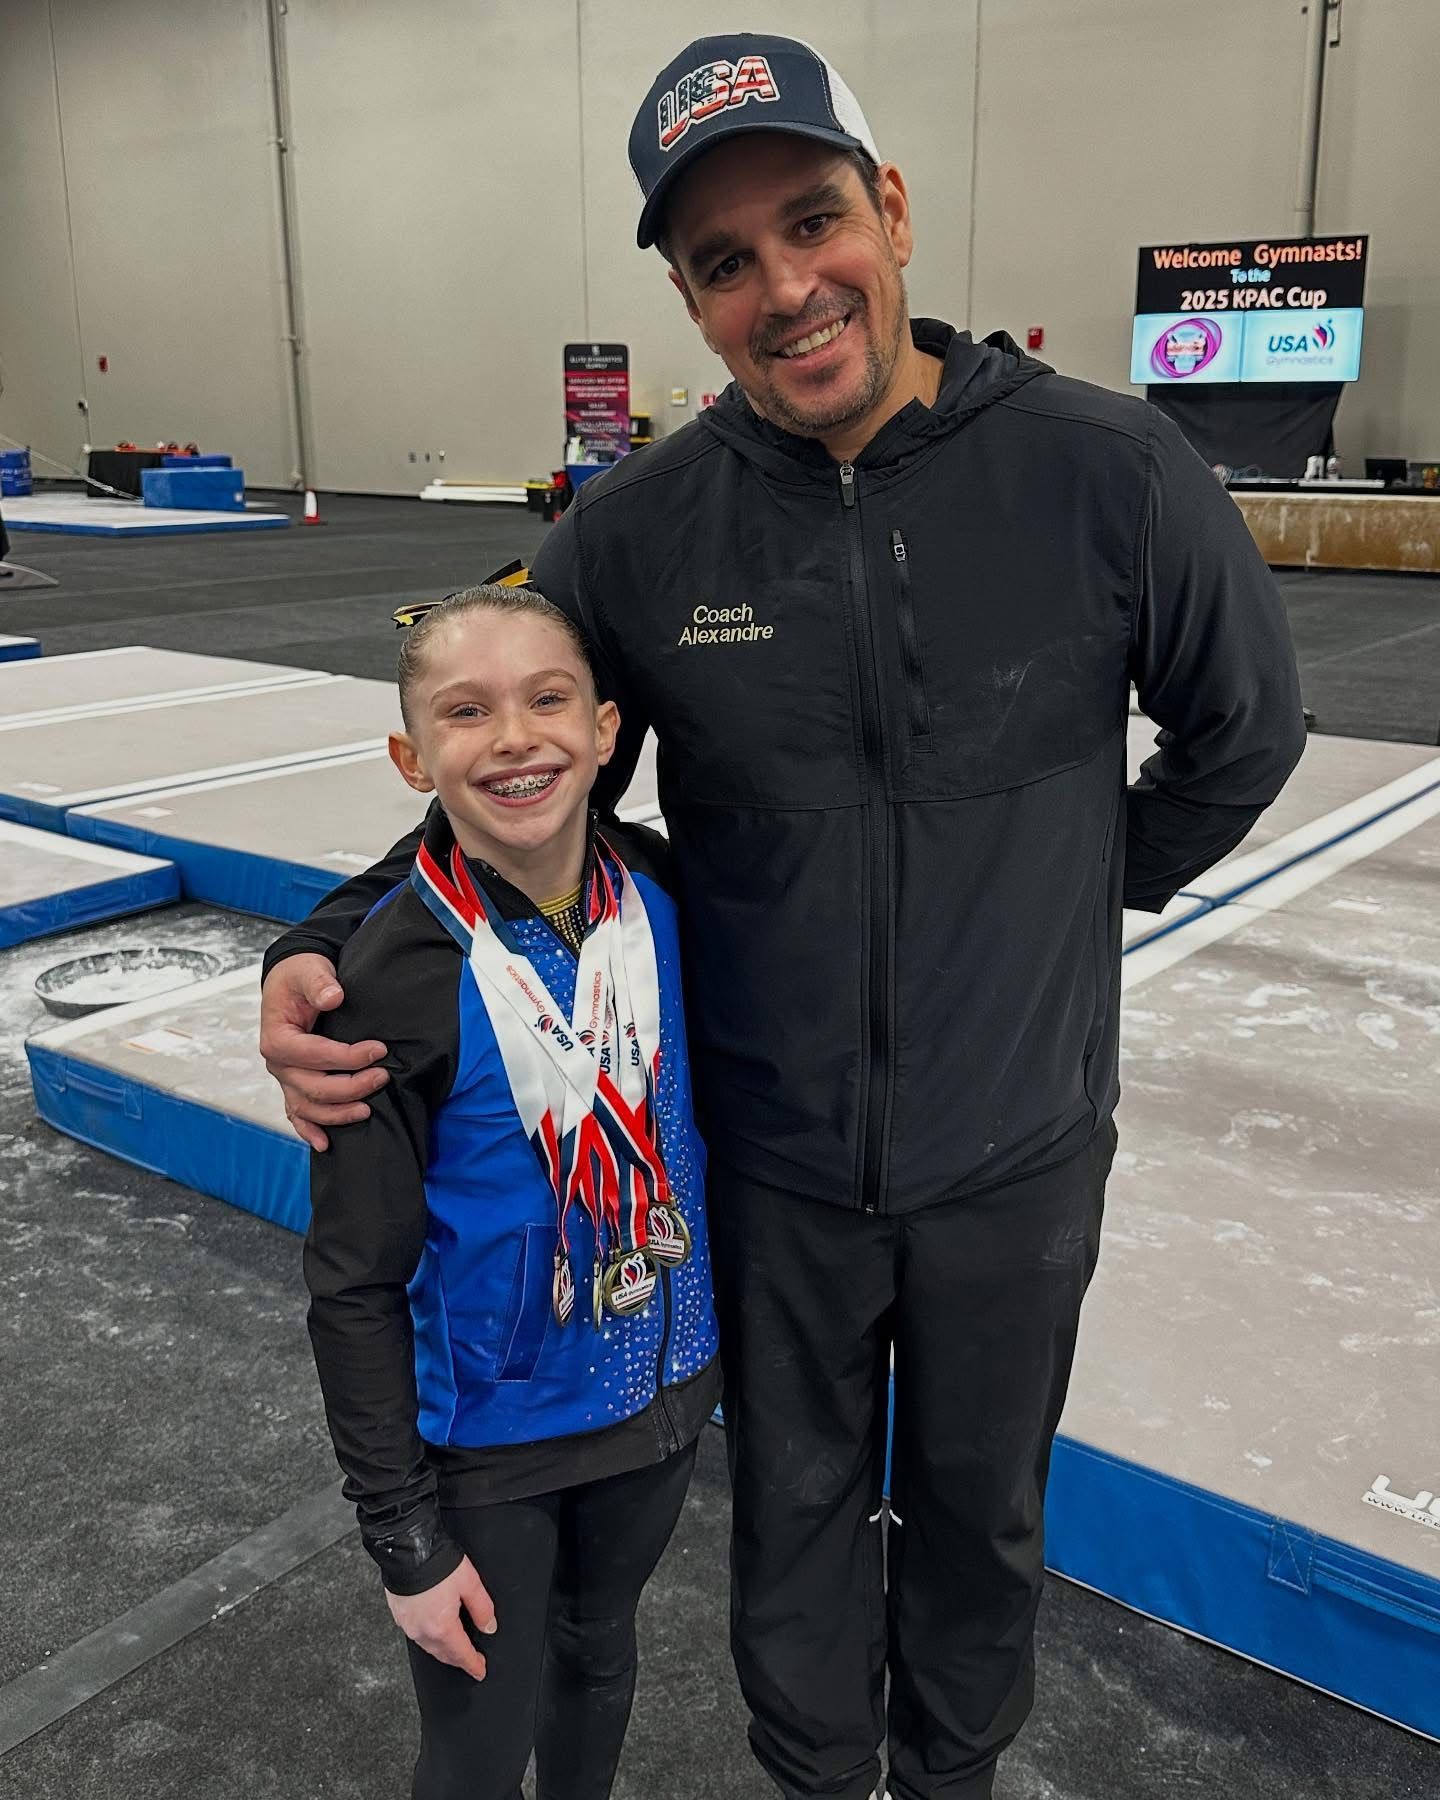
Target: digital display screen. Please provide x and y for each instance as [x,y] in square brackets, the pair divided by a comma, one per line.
[1268,310]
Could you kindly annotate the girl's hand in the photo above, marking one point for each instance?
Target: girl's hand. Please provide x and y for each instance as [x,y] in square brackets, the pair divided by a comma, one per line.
[434,1621]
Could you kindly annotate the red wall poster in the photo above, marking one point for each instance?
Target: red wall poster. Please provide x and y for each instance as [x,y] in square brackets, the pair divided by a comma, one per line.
[597,397]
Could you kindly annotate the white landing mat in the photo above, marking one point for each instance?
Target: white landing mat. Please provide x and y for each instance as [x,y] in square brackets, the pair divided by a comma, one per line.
[176,1085]
[273,843]
[277,842]
[1250,1447]
[131,675]
[50,883]
[82,516]
[47,768]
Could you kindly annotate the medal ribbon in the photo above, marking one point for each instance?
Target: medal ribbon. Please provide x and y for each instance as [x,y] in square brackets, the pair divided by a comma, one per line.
[589,1071]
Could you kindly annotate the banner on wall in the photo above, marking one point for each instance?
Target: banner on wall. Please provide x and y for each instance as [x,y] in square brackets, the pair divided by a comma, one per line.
[597,397]
[1277,309]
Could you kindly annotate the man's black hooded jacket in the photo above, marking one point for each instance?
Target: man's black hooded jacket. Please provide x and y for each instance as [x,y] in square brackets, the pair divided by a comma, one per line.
[891,702]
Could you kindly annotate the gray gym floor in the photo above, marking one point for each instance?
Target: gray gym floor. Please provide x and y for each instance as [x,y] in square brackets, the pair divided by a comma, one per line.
[160,1392]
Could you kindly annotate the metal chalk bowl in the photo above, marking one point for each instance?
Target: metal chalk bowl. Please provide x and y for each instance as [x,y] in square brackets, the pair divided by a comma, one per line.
[88,983]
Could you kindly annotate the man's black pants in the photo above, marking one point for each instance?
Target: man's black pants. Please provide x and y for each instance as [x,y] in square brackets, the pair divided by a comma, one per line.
[565,1571]
[980,1299]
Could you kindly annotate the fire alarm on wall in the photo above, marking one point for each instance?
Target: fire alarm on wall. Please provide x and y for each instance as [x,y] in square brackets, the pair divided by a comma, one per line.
[102,363]
[1035,338]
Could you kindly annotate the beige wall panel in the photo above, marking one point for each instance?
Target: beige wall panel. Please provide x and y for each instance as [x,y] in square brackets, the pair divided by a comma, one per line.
[1378,174]
[911,67]
[166,111]
[436,167]
[1117,123]
[40,357]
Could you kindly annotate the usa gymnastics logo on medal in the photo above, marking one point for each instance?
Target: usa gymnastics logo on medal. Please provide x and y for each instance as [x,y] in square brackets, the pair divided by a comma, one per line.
[1185,348]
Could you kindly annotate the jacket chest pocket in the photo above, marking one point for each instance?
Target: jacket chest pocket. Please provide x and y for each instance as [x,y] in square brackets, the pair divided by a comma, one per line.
[994,682]
[750,692]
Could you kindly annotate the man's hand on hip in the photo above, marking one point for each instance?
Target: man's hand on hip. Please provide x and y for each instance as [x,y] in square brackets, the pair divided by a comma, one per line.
[316,1074]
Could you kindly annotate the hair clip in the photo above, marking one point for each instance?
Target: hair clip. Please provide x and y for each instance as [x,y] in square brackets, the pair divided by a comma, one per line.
[512,574]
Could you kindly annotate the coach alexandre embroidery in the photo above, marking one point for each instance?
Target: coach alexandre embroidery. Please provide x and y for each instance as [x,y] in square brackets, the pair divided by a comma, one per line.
[724,625]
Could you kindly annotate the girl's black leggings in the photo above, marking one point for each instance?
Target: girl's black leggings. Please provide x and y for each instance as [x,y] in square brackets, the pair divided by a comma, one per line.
[565,1571]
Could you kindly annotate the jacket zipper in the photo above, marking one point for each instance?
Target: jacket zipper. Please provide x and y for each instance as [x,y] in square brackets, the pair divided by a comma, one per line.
[917,707]
[665,1427]
[877,836]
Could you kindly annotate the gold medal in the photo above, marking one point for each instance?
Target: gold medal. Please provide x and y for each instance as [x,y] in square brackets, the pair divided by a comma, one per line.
[629,1283]
[667,1236]
[562,1289]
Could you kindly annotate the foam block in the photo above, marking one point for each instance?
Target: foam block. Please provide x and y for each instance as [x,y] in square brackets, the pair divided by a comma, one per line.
[192,489]
[50,883]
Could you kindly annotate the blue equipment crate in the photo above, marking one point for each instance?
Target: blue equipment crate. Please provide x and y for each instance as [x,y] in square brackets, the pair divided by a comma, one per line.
[15,474]
[195,490]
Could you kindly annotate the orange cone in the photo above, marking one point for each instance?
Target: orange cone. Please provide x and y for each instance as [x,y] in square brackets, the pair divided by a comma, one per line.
[312,509]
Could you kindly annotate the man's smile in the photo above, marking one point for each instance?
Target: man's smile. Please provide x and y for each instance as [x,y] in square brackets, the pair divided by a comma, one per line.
[807,346]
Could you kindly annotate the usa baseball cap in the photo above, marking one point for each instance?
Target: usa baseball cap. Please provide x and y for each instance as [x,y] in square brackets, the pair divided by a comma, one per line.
[718,87]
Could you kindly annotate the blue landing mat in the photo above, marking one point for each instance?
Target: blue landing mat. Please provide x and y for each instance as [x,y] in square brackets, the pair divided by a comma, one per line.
[274,843]
[49,884]
[1335,1617]
[18,649]
[218,876]
[248,1165]
[175,1085]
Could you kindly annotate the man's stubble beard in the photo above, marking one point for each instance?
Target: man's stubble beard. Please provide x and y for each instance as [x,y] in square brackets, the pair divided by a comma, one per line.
[880,364]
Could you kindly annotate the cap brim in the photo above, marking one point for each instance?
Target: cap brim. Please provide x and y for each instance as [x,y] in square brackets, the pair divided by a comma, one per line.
[654,207]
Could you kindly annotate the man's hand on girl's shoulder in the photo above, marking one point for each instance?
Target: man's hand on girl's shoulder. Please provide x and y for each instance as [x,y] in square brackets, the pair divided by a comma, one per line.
[325,1082]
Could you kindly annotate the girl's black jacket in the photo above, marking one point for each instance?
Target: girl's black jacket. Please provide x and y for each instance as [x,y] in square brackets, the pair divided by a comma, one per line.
[891,704]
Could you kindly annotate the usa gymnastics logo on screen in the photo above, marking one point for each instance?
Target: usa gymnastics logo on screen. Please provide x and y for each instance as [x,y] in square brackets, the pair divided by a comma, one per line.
[1303,346]
[1186,348]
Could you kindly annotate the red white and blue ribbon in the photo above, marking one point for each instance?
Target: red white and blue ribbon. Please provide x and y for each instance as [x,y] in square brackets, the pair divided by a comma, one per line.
[584,1082]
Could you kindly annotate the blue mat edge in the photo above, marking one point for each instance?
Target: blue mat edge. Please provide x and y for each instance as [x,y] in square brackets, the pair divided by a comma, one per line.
[17,810]
[236,879]
[249,1167]
[88,904]
[1340,1619]
[129,531]
[22,651]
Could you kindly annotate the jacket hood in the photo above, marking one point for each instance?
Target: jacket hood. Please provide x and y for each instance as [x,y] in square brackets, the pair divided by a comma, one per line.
[976,375]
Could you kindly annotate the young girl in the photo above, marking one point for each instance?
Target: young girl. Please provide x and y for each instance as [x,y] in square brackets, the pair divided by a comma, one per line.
[509,1277]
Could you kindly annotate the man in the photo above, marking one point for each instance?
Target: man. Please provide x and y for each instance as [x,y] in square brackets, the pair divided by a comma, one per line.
[882,605]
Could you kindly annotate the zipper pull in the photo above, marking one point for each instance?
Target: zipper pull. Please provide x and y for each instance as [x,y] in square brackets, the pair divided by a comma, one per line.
[847,483]
[897,547]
